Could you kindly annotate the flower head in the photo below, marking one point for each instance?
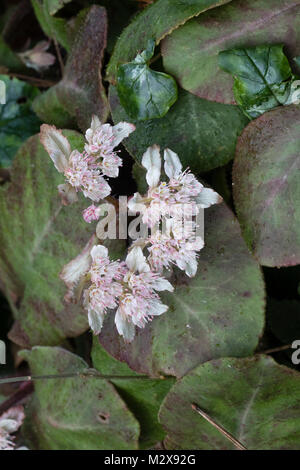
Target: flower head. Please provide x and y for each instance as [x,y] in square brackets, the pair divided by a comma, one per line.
[165,199]
[91,213]
[86,171]
[175,201]
[10,421]
[129,287]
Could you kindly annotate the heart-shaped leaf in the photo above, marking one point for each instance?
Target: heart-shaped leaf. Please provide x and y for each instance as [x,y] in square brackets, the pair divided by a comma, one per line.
[145,93]
[190,53]
[203,133]
[38,236]
[219,312]
[80,93]
[77,413]
[17,120]
[142,396]
[266,186]
[263,78]
[255,400]
[156,22]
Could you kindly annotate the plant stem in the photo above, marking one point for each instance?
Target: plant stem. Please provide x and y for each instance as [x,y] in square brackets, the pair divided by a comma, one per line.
[82,374]
[220,428]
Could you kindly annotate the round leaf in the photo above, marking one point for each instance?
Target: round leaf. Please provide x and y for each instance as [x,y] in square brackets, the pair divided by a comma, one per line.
[79,413]
[266,186]
[255,400]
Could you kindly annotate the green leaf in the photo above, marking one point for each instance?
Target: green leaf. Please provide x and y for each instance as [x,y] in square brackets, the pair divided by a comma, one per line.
[80,413]
[190,53]
[9,59]
[202,133]
[53,6]
[266,186]
[154,22]
[297,60]
[144,93]
[263,78]
[38,236]
[17,120]
[54,28]
[255,399]
[142,396]
[80,93]
[219,312]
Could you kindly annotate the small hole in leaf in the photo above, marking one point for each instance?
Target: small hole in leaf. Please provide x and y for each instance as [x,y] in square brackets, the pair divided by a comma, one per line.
[103,417]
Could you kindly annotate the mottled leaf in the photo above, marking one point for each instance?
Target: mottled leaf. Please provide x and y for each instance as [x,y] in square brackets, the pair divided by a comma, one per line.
[156,21]
[266,186]
[191,52]
[219,312]
[17,120]
[38,236]
[263,78]
[145,93]
[80,413]
[142,396]
[255,399]
[80,93]
[202,133]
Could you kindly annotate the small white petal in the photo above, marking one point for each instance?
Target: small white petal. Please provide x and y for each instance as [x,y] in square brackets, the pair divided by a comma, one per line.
[191,267]
[57,145]
[95,321]
[172,165]
[99,251]
[134,204]
[152,162]
[94,125]
[157,308]
[9,425]
[121,131]
[124,327]
[136,261]
[162,284]
[207,198]
[75,269]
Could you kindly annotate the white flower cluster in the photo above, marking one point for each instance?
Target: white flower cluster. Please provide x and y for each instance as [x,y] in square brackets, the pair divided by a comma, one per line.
[129,287]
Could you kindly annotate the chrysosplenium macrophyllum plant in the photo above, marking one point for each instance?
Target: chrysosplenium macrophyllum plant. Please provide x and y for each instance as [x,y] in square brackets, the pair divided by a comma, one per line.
[130,287]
